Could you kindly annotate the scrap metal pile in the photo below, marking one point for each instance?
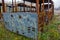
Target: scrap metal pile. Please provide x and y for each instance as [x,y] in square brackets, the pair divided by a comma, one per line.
[27,20]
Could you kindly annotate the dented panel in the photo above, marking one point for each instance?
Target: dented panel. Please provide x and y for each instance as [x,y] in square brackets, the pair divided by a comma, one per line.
[23,23]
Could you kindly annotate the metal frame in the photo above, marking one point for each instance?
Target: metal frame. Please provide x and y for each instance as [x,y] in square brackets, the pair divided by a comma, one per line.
[41,14]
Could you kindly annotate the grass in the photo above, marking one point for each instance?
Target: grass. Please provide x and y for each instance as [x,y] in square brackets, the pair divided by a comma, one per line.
[7,35]
[50,32]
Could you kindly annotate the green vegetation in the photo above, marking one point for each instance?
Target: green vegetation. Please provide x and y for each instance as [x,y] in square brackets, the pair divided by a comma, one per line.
[7,35]
[51,32]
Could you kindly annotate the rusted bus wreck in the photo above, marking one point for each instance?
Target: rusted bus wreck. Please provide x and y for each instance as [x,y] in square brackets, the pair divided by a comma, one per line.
[28,20]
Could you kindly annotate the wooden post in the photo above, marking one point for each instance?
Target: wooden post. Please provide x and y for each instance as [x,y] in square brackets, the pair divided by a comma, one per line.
[3,5]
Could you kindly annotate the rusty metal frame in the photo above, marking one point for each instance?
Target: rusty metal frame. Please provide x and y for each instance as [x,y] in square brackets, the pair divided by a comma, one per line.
[38,12]
[31,7]
[3,6]
[16,6]
[12,6]
[24,6]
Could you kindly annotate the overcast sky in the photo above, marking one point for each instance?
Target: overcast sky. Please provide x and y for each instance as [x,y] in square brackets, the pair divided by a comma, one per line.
[56,2]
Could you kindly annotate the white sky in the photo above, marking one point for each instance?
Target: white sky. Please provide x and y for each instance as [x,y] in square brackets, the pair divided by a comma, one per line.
[56,2]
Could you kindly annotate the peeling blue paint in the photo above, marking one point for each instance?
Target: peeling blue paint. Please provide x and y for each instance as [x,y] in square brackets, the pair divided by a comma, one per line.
[22,23]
